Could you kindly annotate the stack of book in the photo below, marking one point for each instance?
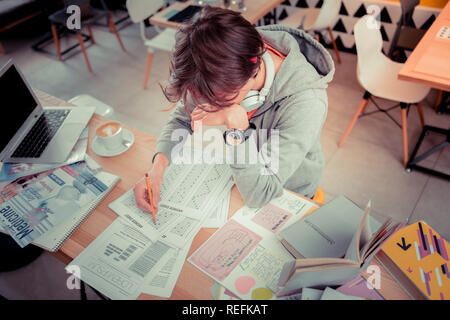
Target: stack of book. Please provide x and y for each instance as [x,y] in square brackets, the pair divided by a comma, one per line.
[417,257]
[331,246]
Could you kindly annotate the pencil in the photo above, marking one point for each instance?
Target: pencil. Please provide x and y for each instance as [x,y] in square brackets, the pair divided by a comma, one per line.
[147,180]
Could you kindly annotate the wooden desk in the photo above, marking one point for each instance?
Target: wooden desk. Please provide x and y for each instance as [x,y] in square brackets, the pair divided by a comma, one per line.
[256,9]
[429,63]
[130,166]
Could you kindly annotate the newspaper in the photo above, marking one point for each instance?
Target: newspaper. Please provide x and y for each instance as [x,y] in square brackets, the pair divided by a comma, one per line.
[31,206]
[11,171]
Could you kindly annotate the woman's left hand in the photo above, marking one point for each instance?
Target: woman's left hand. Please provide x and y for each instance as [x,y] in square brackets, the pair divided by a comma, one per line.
[233,117]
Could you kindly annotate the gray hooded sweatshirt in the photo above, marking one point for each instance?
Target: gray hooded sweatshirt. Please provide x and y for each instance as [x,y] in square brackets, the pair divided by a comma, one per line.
[296,107]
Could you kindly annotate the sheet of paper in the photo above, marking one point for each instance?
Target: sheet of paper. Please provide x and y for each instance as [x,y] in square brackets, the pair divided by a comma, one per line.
[245,255]
[11,171]
[191,189]
[218,216]
[120,261]
[189,194]
[166,276]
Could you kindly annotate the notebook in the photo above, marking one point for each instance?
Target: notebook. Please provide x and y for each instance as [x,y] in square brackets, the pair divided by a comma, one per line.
[418,259]
[55,238]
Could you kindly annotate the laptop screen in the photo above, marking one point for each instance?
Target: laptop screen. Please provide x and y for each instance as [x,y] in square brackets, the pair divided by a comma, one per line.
[17,104]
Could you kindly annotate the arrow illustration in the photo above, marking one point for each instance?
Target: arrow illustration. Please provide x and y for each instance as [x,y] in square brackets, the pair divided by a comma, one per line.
[403,245]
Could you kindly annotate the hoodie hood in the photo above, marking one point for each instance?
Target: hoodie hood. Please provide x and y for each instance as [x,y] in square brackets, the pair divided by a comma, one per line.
[307,65]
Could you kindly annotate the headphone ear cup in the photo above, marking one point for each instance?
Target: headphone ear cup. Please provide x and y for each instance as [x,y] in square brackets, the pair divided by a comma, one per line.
[251,101]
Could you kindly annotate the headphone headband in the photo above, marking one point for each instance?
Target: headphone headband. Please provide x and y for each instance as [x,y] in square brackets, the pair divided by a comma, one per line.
[254,99]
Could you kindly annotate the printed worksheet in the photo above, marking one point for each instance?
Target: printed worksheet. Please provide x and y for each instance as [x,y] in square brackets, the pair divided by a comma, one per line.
[245,255]
[182,211]
[166,276]
[120,261]
[192,189]
[218,216]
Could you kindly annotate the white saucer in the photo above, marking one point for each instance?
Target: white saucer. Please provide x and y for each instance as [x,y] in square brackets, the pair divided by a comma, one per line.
[99,148]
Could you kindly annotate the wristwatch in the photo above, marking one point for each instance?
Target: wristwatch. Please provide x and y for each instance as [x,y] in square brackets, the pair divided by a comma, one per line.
[234,137]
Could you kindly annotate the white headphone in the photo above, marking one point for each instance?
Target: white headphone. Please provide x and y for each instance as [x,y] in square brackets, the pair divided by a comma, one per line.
[254,99]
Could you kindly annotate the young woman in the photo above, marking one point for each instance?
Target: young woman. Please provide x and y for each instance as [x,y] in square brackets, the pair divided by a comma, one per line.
[218,59]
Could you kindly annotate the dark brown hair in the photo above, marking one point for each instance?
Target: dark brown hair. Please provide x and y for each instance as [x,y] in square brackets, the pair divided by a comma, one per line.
[214,57]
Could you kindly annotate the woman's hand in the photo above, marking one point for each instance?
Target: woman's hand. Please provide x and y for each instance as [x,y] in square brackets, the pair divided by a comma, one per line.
[233,117]
[156,179]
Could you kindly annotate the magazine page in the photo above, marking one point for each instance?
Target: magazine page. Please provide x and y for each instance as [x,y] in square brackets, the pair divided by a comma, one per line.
[33,205]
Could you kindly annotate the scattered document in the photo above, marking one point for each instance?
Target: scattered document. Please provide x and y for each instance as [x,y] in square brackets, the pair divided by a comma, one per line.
[189,194]
[11,171]
[120,261]
[245,255]
[218,216]
[165,277]
[192,189]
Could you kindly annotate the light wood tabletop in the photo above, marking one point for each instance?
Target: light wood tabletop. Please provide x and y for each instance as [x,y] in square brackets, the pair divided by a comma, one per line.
[429,63]
[256,9]
[131,166]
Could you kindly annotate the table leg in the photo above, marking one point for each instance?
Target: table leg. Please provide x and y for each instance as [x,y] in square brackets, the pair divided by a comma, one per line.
[413,161]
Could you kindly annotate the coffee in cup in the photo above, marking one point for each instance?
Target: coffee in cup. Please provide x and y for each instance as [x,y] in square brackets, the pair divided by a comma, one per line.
[109,134]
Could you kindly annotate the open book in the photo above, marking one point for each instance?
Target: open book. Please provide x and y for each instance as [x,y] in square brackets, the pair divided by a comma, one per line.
[312,272]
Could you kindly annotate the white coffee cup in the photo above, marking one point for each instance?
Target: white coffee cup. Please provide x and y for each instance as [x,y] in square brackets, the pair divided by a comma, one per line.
[110,135]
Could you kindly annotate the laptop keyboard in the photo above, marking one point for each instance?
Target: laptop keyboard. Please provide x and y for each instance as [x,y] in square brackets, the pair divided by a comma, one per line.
[41,134]
[185,14]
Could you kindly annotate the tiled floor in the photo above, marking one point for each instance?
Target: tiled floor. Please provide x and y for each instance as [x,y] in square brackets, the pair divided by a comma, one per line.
[367,167]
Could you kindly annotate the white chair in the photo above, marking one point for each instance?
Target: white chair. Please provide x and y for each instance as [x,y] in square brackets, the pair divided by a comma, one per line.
[139,10]
[316,20]
[377,74]
[101,108]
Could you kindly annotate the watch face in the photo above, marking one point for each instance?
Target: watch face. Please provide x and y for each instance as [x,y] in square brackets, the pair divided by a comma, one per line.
[234,137]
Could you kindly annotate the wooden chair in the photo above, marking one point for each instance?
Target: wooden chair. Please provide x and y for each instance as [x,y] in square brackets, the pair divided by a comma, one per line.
[316,20]
[140,10]
[377,74]
[89,16]
[319,197]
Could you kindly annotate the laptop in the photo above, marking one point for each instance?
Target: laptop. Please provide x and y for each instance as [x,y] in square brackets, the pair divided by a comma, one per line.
[30,133]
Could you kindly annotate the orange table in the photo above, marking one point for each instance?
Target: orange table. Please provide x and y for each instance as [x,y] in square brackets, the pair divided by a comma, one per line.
[429,63]
[256,9]
[131,166]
